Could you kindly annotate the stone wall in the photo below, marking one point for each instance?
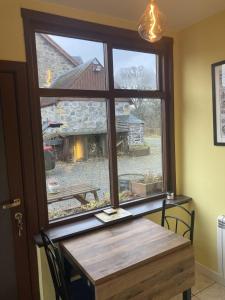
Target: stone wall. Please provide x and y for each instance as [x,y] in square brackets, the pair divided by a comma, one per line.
[49,58]
[136,134]
[87,117]
[78,117]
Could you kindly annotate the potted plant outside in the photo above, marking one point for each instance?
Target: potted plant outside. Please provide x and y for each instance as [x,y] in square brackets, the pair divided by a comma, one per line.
[149,185]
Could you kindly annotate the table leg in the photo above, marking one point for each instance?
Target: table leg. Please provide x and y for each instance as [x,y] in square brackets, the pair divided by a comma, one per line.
[81,199]
[67,269]
[187,295]
[96,196]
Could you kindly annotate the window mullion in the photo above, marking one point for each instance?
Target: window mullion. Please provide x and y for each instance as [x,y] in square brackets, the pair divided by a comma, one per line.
[160,75]
[112,131]
[112,153]
[168,120]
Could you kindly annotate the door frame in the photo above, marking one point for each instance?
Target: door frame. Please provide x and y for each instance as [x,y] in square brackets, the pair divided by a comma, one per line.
[19,72]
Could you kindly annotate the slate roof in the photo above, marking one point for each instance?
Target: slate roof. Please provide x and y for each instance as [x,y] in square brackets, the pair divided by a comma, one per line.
[78,59]
[128,119]
[73,74]
[47,101]
[83,131]
[122,125]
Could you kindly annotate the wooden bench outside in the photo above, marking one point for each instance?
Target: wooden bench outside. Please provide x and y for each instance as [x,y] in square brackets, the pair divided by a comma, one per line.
[75,191]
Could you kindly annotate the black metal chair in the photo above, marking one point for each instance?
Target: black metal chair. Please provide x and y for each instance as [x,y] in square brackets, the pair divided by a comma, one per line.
[166,219]
[189,228]
[64,288]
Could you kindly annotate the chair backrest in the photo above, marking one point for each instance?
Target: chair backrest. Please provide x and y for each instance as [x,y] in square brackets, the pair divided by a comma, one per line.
[189,227]
[56,267]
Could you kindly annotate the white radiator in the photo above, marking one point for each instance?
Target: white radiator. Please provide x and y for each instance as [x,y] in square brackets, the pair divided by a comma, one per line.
[221,244]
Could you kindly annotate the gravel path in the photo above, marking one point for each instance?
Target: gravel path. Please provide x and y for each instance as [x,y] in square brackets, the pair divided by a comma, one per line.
[96,171]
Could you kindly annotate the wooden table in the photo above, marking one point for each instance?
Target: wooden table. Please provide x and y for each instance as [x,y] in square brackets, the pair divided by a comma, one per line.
[78,191]
[136,259]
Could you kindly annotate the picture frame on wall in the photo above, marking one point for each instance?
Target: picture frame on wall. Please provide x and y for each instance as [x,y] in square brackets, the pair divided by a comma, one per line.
[218,94]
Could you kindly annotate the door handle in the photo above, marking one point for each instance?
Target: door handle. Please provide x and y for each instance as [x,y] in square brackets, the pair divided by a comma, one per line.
[16,202]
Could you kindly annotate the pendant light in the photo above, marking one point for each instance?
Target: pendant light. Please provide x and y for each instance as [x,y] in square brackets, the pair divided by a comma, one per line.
[152,23]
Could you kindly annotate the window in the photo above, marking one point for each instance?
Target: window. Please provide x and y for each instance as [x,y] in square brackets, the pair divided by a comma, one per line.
[75,155]
[102,116]
[139,148]
[135,70]
[69,63]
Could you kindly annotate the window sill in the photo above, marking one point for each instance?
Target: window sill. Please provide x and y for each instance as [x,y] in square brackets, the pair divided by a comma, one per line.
[91,223]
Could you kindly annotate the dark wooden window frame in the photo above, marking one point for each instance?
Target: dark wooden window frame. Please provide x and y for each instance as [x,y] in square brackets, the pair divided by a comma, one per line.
[114,38]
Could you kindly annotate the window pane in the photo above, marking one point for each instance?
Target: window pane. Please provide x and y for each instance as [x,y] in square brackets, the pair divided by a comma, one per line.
[139,148]
[68,63]
[76,155]
[135,70]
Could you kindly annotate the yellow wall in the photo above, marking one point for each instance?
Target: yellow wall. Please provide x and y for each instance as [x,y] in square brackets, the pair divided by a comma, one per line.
[203,164]
[12,48]
[200,165]
[11,27]
[45,281]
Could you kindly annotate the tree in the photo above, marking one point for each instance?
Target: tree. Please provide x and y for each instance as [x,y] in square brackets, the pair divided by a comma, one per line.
[135,78]
[139,78]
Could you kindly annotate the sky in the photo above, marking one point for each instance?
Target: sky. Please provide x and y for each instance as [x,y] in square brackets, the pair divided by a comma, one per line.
[89,50]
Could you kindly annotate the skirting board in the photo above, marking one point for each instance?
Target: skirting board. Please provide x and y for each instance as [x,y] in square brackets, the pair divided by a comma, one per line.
[217,277]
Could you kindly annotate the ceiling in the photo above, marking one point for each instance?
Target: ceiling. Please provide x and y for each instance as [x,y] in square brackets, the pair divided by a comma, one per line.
[179,13]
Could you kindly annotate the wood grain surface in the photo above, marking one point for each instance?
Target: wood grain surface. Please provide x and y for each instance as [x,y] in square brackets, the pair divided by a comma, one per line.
[112,251]
[73,191]
[161,279]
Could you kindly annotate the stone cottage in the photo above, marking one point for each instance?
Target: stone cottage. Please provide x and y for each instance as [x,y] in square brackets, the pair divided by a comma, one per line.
[83,129]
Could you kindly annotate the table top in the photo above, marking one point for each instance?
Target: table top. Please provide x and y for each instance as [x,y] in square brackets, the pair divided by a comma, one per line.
[104,254]
[72,190]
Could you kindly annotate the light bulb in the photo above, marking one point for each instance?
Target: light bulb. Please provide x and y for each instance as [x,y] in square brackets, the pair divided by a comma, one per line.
[152,23]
